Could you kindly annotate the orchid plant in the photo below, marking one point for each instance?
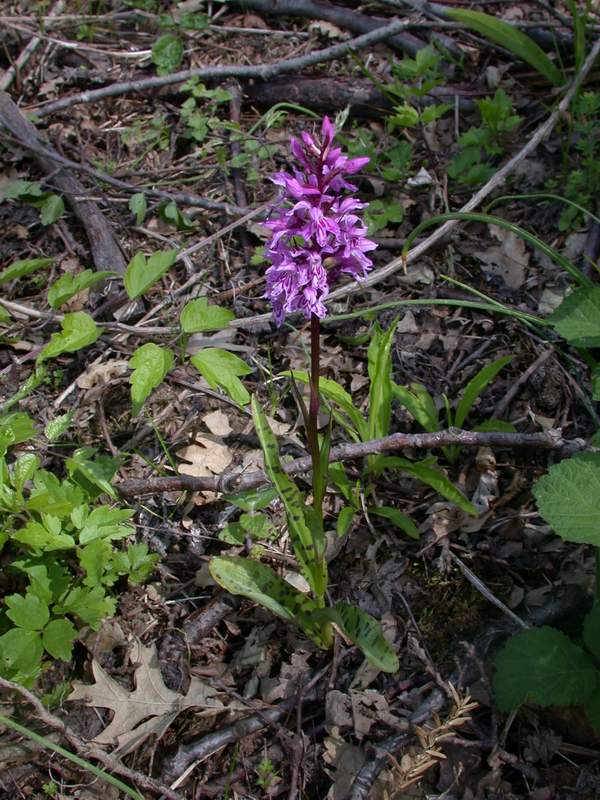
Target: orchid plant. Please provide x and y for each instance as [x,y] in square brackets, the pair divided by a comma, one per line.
[317,235]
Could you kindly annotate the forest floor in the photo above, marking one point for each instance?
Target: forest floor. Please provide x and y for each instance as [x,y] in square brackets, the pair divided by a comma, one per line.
[186,691]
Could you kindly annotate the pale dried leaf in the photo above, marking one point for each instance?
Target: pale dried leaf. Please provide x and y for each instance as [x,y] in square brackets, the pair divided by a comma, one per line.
[217,423]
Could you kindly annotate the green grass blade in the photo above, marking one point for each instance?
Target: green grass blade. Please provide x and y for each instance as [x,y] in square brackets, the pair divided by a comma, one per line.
[475,387]
[380,376]
[512,39]
[541,196]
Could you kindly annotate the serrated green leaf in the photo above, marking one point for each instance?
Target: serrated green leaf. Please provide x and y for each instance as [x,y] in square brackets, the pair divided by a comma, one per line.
[27,611]
[58,637]
[380,376]
[308,543]
[198,316]
[252,499]
[331,390]
[432,477]
[591,631]
[90,605]
[53,496]
[476,386]
[141,274]
[221,368]
[48,581]
[23,470]
[20,655]
[93,472]
[542,666]
[56,427]
[40,539]
[365,632]
[95,558]
[52,209]
[78,330]
[400,520]
[141,562]
[138,206]
[567,498]
[67,286]
[150,364]
[257,582]
[167,53]
[514,40]
[577,318]
[105,523]
[19,269]
[22,189]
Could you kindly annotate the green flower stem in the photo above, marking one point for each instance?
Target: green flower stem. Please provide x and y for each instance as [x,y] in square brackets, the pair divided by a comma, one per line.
[313,417]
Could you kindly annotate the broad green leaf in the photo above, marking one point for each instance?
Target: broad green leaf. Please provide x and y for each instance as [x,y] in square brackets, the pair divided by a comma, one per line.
[591,631]
[257,582]
[567,498]
[344,520]
[170,213]
[419,403]
[20,655]
[105,523]
[308,544]
[514,40]
[95,559]
[432,477]
[77,330]
[221,368]
[141,562]
[476,386]
[150,364]
[58,637]
[198,316]
[495,425]
[27,611]
[141,274]
[67,286]
[252,499]
[4,315]
[400,520]
[137,205]
[23,470]
[90,605]
[93,472]
[542,666]
[380,375]
[56,427]
[167,53]
[40,539]
[20,268]
[52,496]
[337,394]
[48,581]
[15,428]
[577,318]
[22,189]
[365,632]
[52,208]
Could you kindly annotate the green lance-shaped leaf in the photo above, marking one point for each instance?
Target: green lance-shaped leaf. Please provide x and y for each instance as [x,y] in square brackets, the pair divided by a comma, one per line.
[432,477]
[577,318]
[512,39]
[309,545]
[567,498]
[78,330]
[198,315]
[400,520]
[475,386]
[221,368]
[19,269]
[141,274]
[52,208]
[380,375]
[138,206]
[419,403]
[331,390]
[69,285]
[150,364]
[365,632]
[543,666]
[258,582]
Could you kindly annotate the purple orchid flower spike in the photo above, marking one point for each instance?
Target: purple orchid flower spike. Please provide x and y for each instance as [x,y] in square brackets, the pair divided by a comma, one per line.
[316,233]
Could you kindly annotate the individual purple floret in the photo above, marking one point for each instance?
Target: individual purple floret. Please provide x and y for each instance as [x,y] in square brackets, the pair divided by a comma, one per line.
[316,234]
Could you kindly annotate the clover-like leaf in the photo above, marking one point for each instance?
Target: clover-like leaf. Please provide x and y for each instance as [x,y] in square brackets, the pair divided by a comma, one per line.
[18,269]
[150,364]
[69,285]
[198,315]
[78,330]
[221,368]
[142,273]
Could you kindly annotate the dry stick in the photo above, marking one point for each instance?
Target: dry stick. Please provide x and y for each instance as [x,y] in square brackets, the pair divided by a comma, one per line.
[14,71]
[495,181]
[88,750]
[235,481]
[260,71]
[104,247]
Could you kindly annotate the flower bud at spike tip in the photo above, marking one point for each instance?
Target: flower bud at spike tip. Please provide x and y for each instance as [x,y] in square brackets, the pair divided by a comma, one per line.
[316,233]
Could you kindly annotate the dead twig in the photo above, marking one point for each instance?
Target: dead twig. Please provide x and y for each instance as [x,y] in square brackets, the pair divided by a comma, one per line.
[229,482]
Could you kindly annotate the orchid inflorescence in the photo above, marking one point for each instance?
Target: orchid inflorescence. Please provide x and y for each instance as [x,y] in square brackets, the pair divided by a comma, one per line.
[316,233]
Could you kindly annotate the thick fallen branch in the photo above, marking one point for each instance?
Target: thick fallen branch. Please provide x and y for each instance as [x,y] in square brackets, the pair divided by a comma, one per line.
[105,250]
[260,71]
[234,481]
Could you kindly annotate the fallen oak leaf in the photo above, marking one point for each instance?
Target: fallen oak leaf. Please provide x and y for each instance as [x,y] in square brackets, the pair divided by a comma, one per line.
[151,700]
